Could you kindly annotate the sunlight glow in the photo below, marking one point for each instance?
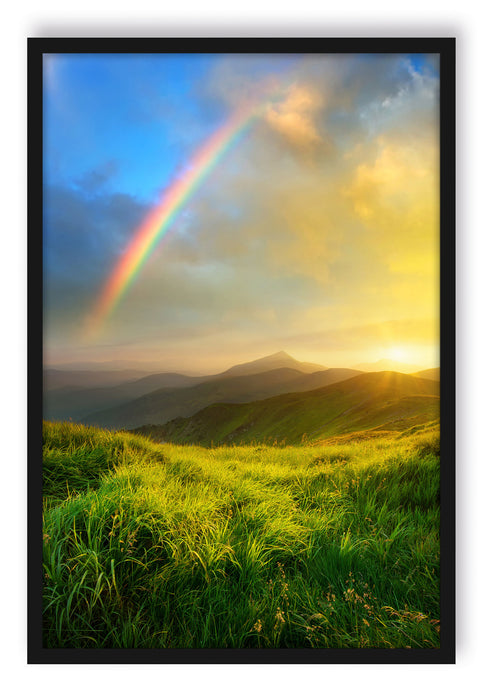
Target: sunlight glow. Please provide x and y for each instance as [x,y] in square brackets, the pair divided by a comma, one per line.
[399,353]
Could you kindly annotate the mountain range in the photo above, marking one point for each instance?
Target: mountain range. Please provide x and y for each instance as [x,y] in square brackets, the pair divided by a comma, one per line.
[83,379]
[129,399]
[83,395]
[239,384]
[387,402]
[76,401]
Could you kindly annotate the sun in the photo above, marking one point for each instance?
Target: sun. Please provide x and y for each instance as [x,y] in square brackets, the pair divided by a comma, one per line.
[398,353]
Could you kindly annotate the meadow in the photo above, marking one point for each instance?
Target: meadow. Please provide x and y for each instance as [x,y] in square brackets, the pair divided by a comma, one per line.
[333,544]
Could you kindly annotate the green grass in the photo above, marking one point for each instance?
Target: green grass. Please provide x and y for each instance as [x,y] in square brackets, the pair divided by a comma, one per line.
[156,546]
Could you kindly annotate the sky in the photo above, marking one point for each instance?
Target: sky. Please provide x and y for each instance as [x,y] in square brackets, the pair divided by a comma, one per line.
[305,218]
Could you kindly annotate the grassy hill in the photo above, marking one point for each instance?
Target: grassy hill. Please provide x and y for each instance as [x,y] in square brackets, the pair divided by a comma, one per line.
[165,404]
[388,401]
[169,546]
[433,373]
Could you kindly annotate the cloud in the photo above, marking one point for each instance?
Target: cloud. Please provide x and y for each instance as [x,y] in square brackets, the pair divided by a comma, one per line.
[395,195]
[94,181]
[409,103]
[353,337]
[351,224]
[293,118]
[319,227]
[84,233]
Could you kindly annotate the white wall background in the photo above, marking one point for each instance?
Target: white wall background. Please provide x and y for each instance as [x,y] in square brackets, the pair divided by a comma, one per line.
[471,24]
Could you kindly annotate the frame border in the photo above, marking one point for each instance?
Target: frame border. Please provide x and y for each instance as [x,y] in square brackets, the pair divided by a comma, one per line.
[445,47]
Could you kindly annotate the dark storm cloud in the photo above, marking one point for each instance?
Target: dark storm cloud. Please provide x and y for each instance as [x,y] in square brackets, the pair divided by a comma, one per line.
[84,233]
[96,180]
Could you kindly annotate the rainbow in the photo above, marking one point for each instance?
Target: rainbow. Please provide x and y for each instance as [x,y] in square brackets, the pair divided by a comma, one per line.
[160,219]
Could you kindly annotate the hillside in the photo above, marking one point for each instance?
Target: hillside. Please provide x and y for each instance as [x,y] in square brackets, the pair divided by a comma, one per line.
[433,373]
[59,378]
[170,546]
[388,401]
[166,404]
[76,402]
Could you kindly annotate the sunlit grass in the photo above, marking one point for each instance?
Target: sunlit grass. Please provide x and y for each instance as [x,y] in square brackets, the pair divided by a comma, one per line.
[151,545]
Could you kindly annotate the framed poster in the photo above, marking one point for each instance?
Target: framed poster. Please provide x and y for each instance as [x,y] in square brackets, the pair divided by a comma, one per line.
[241,304]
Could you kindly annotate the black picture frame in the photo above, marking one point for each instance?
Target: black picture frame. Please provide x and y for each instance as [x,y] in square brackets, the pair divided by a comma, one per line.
[445,47]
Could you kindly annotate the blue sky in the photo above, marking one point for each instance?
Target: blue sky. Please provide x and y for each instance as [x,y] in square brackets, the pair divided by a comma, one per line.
[316,233]
[120,111]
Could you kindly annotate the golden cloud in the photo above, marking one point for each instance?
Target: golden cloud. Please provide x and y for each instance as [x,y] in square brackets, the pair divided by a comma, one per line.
[294,117]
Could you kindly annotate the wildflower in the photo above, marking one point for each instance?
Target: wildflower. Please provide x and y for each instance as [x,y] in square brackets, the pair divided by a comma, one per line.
[257,626]
[436,624]
[279,619]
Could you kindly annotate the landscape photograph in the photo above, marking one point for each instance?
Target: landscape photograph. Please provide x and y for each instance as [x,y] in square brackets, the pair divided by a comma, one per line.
[241,351]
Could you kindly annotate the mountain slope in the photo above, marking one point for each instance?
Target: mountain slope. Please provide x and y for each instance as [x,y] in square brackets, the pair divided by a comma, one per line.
[433,373]
[165,404]
[59,378]
[385,400]
[76,402]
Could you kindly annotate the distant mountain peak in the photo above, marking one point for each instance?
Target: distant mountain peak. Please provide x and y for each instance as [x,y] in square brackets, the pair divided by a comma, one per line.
[275,361]
[281,354]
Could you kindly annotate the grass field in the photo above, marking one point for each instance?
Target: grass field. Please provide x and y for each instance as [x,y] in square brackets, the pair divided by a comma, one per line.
[323,545]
